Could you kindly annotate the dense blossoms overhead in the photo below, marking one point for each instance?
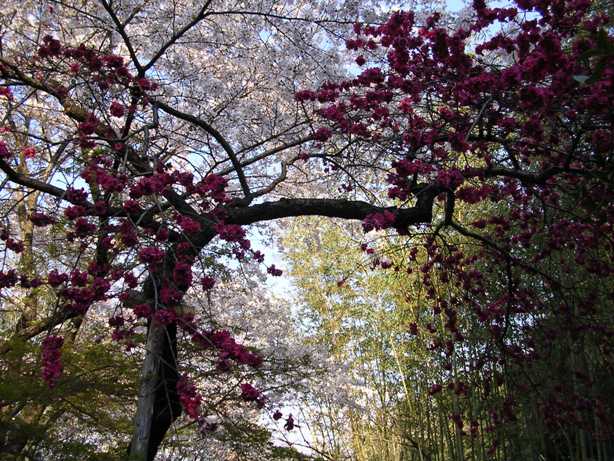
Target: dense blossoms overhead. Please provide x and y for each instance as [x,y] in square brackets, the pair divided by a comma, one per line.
[518,100]
[511,107]
[519,121]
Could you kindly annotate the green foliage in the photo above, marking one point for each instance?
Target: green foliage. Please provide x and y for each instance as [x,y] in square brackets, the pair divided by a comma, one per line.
[98,382]
[484,409]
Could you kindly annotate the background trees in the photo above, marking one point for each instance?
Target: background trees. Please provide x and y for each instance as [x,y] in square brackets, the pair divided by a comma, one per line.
[143,139]
[407,391]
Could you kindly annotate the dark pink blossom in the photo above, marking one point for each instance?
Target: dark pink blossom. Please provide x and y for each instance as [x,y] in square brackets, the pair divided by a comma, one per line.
[170,296]
[165,316]
[207,282]
[142,310]
[189,397]
[75,211]
[117,109]
[188,225]
[41,219]
[379,221]
[182,275]
[229,232]
[151,255]
[289,425]
[249,393]
[4,151]
[51,359]
[54,278]
[275,272]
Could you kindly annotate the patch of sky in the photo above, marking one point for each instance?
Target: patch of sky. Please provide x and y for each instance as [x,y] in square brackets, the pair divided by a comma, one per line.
[265,35]
[454,6]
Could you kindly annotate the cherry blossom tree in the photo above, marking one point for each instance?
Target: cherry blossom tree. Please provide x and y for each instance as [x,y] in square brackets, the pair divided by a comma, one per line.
[155,134]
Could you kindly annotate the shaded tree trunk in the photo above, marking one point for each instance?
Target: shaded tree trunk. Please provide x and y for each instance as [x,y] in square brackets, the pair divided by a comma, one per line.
[158,403]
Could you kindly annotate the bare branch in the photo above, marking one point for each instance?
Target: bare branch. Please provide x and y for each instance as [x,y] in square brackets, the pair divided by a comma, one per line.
[122,32]
[269,152]
[216,135]
[180,33]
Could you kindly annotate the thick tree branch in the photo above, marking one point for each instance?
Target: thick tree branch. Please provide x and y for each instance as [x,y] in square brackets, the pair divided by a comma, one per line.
[158,403]
[37,327]
[157,396]
[333,208]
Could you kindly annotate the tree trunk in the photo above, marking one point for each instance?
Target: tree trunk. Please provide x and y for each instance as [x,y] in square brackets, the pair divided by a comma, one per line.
[158,403]
[139,447]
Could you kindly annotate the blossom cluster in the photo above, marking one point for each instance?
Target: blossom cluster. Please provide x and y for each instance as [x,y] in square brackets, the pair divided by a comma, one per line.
[51,351]
[189,397]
